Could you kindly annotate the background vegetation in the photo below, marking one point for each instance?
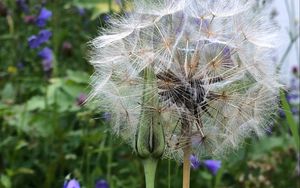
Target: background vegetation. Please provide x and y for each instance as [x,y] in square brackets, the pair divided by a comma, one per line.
[47,134]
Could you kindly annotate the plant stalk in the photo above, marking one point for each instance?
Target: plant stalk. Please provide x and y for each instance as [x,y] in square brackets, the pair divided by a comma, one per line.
[150,165]
[186,167]
[186,153]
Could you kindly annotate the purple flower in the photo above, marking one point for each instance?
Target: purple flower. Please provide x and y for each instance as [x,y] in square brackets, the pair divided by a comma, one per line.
[212,165]
[195,163]
[101,184]
[43,36]
[47,55]
[72,184]
[33,41]
[81,99]
[42,18]
[23,5]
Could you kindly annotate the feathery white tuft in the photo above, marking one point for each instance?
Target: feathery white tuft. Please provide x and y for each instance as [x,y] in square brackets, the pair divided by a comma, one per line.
[212,60]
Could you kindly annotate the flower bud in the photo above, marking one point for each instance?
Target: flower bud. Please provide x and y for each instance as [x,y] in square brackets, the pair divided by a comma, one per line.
[150,136]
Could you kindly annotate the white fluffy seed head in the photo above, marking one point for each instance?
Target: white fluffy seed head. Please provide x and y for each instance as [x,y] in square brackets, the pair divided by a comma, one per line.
[212,60]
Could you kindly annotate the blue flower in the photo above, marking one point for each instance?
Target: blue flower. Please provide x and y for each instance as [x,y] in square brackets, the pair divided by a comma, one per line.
[33,41]
[72,184]
[47,55]
[101,184]
[195,163]
[43,17]
[212,165]
[43,36]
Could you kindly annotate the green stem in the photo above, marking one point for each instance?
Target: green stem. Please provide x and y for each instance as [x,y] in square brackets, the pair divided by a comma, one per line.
[109,160]
[150,165]
[169,173]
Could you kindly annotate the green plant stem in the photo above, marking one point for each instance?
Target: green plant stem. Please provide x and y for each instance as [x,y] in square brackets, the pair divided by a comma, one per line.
[290,120]
[169,173]
[109,160]
[293,40]
[150,165]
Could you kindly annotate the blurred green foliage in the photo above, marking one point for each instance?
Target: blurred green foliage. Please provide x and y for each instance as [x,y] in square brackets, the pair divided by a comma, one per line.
[46,133]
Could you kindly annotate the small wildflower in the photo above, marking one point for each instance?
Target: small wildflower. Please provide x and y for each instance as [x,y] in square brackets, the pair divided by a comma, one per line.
[72,184]
[43,17]
[43,36]
[33,41]
[213,166]
[101,184]
[47,55]
[195,163]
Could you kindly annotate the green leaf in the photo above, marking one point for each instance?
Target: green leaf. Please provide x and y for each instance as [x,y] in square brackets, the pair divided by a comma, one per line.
[8,93]
[5,181]
[21,144]
[290,119]
[36,103]
[78,76]
[55,85]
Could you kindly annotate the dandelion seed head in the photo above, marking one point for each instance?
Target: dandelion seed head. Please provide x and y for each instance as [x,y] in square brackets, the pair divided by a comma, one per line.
[213,66]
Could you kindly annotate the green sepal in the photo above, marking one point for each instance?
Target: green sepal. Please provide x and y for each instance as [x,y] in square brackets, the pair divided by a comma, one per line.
[150,136]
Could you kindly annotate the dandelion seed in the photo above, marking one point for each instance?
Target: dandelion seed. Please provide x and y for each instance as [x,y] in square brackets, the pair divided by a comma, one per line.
[214,77]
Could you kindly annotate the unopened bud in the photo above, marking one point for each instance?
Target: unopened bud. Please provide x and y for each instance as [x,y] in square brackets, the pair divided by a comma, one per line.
[150,136]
